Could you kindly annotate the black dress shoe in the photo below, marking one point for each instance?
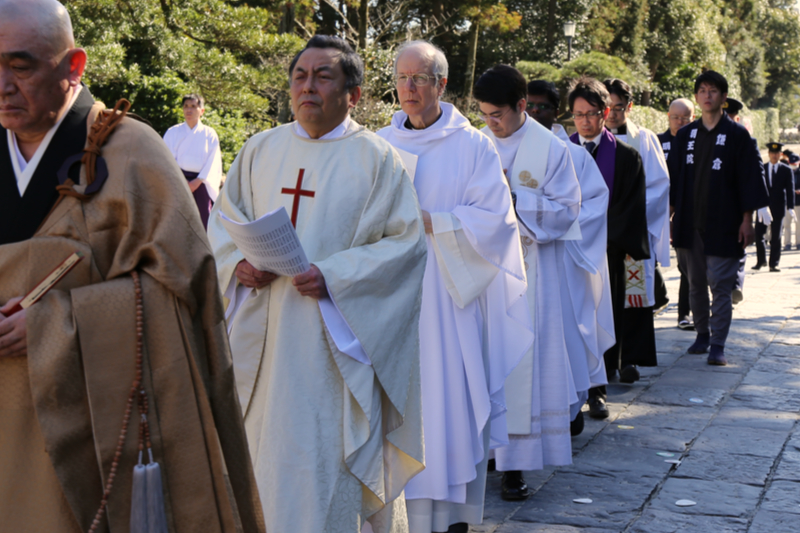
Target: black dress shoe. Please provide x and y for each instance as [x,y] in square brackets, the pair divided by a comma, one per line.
[774,269]
[513,487]
[629,374]
[758,266]
[576,426]
[597,408]
[461,527]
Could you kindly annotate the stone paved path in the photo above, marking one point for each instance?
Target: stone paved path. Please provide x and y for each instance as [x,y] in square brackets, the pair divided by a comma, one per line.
[739,449]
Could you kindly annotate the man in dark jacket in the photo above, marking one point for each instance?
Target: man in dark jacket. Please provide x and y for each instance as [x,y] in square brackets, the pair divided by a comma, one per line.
[780,183]
[717,183]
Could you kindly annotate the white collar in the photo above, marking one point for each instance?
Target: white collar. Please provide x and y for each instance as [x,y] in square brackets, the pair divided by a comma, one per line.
[335,133]
[596,140]
[24,172]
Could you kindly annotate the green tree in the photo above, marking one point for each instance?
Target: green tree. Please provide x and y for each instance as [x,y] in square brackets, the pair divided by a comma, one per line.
[154,51]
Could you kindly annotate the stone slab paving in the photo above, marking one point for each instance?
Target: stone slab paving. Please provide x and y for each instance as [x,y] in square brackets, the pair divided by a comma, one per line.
[739,450]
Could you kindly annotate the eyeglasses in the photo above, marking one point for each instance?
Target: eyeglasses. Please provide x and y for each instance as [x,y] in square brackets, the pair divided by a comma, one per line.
[494,117]
[617,109]
[540,107]
[419,80]
[587,116]
[679,118]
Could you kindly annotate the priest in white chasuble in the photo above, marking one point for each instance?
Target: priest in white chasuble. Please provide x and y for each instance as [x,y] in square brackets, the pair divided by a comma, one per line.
[644,279]
[584,278]
[68,361]
[475,325]
[196,149]
[327,362]
[547,199]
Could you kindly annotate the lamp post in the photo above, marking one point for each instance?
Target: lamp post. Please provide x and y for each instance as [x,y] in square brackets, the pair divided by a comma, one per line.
[569,33]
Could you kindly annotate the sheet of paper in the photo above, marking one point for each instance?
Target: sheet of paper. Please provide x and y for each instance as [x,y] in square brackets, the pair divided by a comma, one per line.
[270,243]
[409,161]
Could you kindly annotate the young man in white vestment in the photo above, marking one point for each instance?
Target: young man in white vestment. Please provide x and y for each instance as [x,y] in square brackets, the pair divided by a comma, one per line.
[547,199]
[584,279]
[195,147]
[475,325]
[642,292]
[327,363]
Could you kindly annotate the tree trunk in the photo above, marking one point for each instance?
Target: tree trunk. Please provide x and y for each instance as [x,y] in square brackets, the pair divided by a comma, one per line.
[287,19]
[550,32]
[363,24]
[646,98]
[473,52]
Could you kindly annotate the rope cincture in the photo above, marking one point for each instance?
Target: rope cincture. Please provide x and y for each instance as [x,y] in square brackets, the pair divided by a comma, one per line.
[105,123]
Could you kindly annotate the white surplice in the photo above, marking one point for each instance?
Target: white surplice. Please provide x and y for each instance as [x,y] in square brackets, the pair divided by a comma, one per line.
[333,441]
[584,279]
[656,176]
[474,325]
[540,390]
[197,150]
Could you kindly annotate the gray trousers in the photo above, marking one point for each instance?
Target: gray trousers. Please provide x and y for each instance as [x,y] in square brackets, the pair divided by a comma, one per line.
[718,273]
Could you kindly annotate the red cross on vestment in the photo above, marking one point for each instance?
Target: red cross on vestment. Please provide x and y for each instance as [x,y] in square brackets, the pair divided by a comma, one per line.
[298,191]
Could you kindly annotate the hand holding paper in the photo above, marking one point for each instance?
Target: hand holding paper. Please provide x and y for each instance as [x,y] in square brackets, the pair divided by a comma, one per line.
[270,244]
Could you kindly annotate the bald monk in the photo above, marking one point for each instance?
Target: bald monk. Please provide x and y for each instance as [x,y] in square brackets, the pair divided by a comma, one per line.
[67,363]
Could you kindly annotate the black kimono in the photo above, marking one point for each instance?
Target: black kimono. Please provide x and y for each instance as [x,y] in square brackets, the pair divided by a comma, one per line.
[20,216]
[627,230]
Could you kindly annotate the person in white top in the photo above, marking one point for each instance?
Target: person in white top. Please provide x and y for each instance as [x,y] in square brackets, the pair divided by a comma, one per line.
[335,430]
[195,147]
[475,324]
[584,278]
[547,198]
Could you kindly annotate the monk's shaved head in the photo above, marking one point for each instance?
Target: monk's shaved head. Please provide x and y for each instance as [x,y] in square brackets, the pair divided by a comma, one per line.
[47,18]
[40,68]
[682,105]
[681,112]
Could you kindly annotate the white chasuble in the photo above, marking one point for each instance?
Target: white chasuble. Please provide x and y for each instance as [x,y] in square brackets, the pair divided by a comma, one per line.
[656,176]
[540,390]
[584,278]
[333,440]
[197,150]
[474,325]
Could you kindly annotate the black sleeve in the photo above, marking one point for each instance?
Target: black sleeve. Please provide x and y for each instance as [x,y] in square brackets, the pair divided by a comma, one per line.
[749,174]
[789,184]
[627,216]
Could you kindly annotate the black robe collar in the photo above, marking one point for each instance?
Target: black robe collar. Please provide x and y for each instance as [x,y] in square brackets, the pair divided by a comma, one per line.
[21,216]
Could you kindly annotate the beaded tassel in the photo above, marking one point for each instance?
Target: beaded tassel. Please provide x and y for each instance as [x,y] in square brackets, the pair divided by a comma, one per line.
[147,503]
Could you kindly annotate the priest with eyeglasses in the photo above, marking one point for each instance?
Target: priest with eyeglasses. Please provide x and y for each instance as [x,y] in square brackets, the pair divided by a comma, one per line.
[623,172]
[475,324]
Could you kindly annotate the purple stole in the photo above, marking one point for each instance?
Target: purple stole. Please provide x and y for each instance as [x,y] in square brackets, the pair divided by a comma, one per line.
[606,157]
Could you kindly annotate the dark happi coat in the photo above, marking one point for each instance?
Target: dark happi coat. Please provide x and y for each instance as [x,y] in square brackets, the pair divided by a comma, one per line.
[736,185]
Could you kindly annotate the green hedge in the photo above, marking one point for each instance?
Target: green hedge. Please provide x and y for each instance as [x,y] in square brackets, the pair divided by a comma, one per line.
[652,119]
[766,124]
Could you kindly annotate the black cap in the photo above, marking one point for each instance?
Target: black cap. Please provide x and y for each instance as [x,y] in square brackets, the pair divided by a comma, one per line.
[774,147]
[794,159]
[732,106]
[787,152]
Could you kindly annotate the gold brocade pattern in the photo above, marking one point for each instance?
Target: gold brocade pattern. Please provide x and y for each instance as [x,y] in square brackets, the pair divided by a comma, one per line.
[527,242]
[526,180]
[79,358]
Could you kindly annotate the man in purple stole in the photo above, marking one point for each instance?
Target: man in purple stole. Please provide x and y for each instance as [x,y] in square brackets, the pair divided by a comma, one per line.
[717,183]
[622,170]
